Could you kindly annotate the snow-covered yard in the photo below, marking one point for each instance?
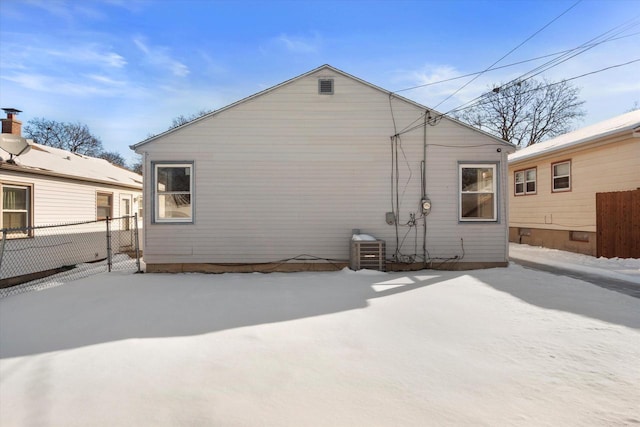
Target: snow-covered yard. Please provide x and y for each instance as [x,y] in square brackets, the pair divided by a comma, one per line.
[509,346]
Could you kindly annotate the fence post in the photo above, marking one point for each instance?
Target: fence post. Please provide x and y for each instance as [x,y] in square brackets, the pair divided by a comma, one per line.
[137,237]
[108,221]
[4,239]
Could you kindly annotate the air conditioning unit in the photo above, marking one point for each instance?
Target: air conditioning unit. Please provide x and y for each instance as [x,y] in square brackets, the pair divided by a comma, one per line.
[369,254]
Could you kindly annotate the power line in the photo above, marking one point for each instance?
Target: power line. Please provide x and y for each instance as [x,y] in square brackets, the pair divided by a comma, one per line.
[584,47]
[550,64]
[550,84]
[477,103]
[511,65]
[510,52]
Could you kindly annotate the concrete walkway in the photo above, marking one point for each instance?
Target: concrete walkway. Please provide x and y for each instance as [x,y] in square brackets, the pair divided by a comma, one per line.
[622,286]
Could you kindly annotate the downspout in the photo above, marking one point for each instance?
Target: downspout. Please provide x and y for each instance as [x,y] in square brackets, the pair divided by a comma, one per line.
[424,189]
[147,198]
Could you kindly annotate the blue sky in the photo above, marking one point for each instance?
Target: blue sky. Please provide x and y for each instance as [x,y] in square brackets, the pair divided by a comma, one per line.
[126,68]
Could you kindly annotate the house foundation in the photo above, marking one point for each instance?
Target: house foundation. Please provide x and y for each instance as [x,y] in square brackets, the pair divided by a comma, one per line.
[311,266]
[581,242]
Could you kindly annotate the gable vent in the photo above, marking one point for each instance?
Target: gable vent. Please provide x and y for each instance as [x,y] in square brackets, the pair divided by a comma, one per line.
[325,86]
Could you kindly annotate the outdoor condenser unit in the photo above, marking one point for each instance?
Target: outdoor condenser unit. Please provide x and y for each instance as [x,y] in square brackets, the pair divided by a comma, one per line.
[369,254]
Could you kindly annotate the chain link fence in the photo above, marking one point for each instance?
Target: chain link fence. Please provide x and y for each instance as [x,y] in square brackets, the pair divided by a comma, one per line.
[44,256]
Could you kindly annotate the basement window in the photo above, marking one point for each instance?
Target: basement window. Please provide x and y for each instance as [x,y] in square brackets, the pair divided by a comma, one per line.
[524,232]
[325,86]
[579,236]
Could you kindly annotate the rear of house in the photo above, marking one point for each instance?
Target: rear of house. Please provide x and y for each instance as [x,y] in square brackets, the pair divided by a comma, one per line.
[284,178]
[554,187]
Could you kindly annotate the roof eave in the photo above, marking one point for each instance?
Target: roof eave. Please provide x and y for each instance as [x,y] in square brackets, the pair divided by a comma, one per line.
[579,142]
[22,169]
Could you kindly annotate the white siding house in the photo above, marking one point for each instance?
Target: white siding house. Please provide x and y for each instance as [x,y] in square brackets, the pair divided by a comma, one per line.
[288,174]
[47,186]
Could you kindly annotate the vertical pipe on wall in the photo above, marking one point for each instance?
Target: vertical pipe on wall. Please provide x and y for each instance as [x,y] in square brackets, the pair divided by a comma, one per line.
[424,188]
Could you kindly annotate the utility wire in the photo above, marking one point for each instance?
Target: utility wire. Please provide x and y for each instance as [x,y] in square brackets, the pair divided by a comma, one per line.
[553,63]
[477,101]
[546,66]
[510,65]
[583,48]
[409,128]
[510,52]
[550,85]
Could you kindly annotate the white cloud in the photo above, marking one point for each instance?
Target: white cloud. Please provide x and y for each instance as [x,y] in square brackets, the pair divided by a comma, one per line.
[432,84]
[159,57]
[296,44]
[82,86]
[141,45]
[89,54]
[106,80]
[300,44]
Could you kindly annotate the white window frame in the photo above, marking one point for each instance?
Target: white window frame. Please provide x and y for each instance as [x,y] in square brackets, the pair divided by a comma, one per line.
[110,195]
[494,190]
[554,177]
[28,210]
[525,181]
[156,193]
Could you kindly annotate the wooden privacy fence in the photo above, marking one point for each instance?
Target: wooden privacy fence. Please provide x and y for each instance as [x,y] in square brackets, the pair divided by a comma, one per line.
[618,224]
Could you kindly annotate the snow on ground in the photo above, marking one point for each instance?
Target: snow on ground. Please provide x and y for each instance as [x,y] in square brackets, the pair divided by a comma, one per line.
[506,346]
[616,268]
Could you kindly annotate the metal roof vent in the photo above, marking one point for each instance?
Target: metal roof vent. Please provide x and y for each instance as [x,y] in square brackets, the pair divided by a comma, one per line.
[325,86]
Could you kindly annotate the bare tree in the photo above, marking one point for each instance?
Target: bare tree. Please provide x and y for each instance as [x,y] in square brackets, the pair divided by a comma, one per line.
[527,112]
[136,166]
[74,137]
[182,119]
[114,158]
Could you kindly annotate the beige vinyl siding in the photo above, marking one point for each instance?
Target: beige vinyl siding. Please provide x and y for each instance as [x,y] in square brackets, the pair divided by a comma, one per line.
[608,165]
[292,172]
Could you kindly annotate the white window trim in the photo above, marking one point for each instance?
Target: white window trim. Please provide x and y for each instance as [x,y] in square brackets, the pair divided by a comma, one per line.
[28,211]
[494,192]
[524,183]
[155,193]
[104,193]
[553,177]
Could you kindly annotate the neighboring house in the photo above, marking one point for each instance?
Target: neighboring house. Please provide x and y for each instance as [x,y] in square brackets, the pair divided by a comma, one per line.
[554,187]
[288,175]
[48,185]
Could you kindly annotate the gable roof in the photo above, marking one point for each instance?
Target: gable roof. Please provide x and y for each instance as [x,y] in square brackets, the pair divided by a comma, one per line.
[301,76]
[628,122]
[50,161]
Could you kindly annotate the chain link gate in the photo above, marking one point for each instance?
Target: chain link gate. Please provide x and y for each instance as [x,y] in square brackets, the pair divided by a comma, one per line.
[31,256]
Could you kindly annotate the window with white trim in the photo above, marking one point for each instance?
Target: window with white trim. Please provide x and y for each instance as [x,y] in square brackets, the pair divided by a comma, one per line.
[173,192]
[525,182]
[16,208]
[104,205]
[478,196]
[561,176]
